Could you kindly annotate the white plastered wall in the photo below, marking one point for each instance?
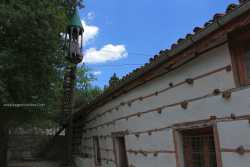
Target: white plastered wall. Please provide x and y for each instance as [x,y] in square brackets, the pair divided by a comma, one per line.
[233,135]
[201,109]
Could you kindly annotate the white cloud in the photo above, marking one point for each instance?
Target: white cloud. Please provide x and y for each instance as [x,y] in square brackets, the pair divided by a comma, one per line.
[107,53]
[97,73]
[90,16]
[90,32]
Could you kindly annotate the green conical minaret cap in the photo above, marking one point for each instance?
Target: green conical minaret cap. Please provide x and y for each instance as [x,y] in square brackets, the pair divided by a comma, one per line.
[75,20]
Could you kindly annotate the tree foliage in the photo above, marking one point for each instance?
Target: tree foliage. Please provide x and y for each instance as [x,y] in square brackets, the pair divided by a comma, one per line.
[30,55]
[32,64]
[31,60]
[114,80]
[85,92]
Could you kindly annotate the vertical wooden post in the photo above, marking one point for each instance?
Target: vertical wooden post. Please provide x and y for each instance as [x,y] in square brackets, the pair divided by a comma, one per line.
[69,84]
[176,148]
[3,145]
[217,145]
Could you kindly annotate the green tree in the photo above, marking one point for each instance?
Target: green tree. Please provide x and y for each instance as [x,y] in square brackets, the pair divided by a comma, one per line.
[31,61]
[114,80]
[85,92]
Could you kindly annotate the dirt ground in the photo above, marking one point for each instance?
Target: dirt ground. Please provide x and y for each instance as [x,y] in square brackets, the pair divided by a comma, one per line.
[33,164]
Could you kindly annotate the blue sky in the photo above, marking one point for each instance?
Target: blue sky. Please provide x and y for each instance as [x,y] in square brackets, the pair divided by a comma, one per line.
[121,35]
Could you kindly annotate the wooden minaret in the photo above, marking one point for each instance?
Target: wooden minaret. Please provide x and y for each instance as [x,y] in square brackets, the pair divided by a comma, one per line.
[73,46]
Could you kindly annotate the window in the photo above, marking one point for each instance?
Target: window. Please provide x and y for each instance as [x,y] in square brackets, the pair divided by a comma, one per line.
[97,152]
[199,148]
[240,49]
[120,151]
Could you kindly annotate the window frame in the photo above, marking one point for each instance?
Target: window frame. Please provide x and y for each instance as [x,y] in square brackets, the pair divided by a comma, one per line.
[189,136]
[179,145]
[238,40]
[114,138]
[97,151]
